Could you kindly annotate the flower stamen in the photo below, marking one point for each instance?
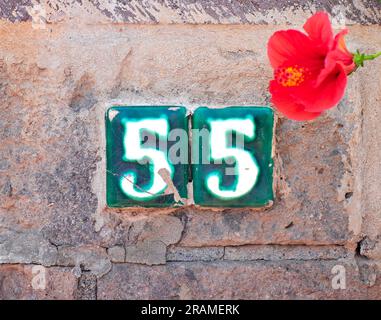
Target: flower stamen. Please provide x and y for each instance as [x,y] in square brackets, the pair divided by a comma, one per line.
[290,76]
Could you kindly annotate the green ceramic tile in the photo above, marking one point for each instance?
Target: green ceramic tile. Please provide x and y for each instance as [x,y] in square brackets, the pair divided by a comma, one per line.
[139,142]
[232,156]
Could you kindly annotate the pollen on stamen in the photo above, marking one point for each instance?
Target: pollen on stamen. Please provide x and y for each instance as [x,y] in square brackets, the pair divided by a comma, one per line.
[290,76]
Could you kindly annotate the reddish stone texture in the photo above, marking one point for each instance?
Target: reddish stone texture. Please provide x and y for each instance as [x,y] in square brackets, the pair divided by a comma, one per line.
[53,158]
[233,280]
[57,81]
[20,282]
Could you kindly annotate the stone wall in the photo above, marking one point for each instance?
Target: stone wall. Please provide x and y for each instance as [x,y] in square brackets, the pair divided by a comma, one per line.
[62,63]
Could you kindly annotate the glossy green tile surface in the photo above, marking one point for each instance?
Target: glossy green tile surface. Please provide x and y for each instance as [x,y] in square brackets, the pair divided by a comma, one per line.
[137,145]
[239,149]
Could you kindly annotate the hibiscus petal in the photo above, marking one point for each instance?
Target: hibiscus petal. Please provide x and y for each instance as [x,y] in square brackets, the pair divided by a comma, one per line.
[319,28]
[287,105]
[333,58]
[341,53]
[339,42]
[326,94]
[289,45]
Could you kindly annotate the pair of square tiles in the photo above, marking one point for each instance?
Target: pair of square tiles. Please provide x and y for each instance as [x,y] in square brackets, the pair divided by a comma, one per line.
[229,162]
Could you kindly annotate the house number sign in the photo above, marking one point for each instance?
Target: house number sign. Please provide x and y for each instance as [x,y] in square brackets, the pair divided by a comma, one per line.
[156,156]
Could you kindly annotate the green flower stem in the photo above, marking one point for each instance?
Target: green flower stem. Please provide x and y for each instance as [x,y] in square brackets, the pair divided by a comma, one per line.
[372,56]
[359,58]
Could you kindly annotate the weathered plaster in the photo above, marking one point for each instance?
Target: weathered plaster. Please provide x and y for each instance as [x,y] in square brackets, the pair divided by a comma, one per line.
[190,11]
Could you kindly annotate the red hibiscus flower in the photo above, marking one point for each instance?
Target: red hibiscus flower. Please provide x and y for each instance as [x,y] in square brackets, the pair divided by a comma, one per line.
[310,70]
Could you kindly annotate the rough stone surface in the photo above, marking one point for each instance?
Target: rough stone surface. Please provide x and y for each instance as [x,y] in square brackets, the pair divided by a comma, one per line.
[55,179]
[370,248]
[26,247]
[87,287]
[371,179]
[189,11]
[16,282]
[147,252]
[149,238]
[275,252]
[86,258]
[369,271]
[233,280]
[165,229]
[194,254]
[71,61]
[116,253]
